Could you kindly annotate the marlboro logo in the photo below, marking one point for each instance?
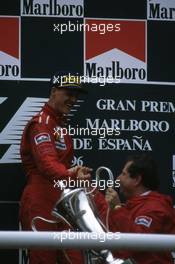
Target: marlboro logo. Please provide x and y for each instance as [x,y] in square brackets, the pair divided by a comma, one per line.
[120,54]
[115,70]
[9,48]
[61,8]
[161,10]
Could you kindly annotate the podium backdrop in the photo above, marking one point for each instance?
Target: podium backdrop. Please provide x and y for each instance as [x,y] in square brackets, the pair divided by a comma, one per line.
[132,39]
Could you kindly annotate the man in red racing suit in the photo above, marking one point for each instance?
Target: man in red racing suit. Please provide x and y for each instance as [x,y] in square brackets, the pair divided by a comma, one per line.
[46,157]
[145,211]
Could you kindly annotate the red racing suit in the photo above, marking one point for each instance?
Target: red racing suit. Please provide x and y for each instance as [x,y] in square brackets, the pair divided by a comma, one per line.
[45,157]
[151,213]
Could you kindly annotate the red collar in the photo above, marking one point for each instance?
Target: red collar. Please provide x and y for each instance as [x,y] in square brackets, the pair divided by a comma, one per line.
[50,111]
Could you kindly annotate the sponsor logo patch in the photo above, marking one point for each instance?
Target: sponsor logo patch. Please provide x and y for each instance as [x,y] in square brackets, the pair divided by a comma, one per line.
[143,220]
[60,144]
[42,137]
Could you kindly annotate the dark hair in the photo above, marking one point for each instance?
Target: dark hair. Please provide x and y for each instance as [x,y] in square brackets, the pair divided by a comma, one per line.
[145,166]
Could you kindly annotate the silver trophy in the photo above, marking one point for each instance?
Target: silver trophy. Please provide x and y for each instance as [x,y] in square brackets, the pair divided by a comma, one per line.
[77,209]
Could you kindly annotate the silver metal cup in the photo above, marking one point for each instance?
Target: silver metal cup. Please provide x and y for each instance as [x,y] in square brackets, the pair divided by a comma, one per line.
[78,210]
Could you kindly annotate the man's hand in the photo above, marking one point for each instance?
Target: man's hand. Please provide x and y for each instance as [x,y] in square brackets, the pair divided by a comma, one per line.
[74,169]
[84,173]
[112,198]
[81,172]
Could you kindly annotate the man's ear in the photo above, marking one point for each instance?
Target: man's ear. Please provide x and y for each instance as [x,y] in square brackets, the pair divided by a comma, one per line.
[138,180]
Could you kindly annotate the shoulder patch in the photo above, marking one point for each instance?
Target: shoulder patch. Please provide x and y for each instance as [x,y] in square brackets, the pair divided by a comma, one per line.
[143,220]
[42,137]
[60,143]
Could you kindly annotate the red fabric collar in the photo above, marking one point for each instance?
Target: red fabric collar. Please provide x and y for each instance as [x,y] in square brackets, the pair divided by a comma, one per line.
[50,111]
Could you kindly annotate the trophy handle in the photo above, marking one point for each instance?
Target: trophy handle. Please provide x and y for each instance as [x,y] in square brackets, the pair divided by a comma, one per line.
[97,176]
[110,174]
